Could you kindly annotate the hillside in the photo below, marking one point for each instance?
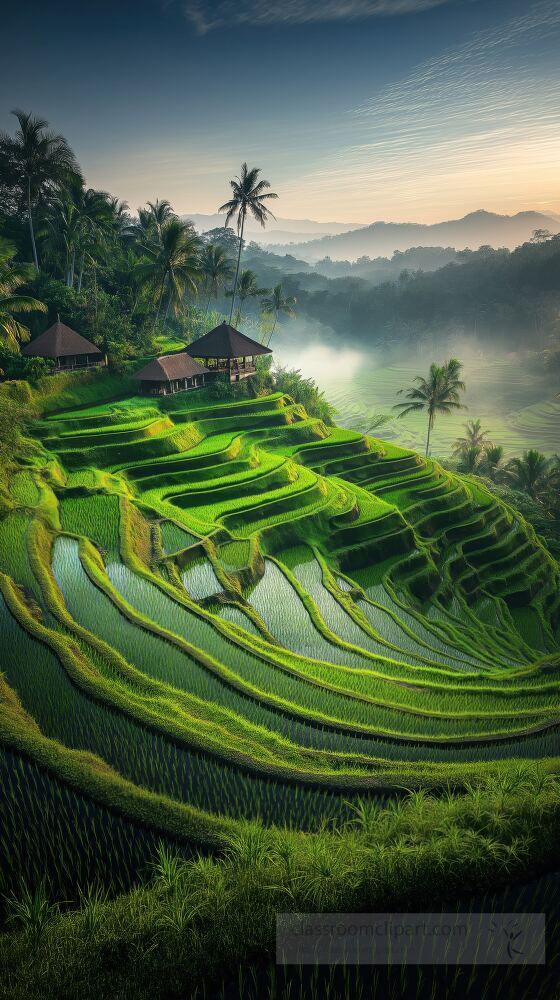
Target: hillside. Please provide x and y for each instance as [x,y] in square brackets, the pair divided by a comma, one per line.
[229,621]
[505,300]
[318,610]
[279,231]
[271,266]
[381,239]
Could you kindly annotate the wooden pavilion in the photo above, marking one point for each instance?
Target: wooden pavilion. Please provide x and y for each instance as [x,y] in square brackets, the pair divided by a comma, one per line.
[171,373]
[226,351]
[66,348]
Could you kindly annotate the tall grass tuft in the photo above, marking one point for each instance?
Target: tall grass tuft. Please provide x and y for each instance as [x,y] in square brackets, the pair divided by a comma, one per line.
[92,903]
[167,868]
[31,910]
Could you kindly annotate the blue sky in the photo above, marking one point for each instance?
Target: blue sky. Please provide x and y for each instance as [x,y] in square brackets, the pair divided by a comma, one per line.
[355,109]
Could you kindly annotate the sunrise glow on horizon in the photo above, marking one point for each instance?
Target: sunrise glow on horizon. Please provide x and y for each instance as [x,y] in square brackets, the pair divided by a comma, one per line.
[406,110]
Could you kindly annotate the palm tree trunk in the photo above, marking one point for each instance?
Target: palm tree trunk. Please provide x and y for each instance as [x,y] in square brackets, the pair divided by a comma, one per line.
[167,309]
[31,233]
[81,274]
[273,329]
[158,310]
[237,268]
[95,295]
[72,268]
[430,425]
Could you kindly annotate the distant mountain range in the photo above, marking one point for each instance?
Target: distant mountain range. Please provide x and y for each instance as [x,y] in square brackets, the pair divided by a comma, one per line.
[280,231]
[381,239]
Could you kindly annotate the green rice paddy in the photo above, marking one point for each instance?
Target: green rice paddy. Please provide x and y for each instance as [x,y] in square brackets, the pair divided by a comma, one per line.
[231,611]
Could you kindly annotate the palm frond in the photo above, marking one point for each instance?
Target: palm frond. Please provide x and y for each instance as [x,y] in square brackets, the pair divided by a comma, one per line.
[21,303]
[407,408]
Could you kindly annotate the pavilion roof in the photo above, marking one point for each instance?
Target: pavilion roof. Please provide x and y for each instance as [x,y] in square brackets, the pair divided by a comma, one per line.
[224,341]
[169,367]
[59,341]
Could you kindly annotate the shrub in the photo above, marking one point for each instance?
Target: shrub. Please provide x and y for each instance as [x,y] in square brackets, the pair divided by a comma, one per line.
[221,388]
[304,391]
[16,366]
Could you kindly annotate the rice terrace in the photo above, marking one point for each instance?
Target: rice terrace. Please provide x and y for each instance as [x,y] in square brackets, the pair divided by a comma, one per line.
[280,502]
[228,612]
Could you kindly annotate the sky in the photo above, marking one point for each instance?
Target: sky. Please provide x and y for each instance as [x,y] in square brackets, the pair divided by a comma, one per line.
[355,110]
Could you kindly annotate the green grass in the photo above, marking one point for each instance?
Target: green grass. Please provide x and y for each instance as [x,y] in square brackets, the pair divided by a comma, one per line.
[192,922]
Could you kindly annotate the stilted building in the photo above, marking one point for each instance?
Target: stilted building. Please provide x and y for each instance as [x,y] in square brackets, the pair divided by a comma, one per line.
[66,348]
[226,351]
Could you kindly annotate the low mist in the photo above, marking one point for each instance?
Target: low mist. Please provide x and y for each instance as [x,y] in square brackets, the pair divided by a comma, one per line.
[511,393]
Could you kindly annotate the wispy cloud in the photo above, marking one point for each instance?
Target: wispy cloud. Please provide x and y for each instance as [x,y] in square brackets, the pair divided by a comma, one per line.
[481,121]
[206,16]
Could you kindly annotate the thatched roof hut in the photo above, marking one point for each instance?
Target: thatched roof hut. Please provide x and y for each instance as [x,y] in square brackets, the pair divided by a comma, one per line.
[171,373]
[68,349]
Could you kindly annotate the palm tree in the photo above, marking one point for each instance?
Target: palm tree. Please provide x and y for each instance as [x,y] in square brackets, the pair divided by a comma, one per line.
[142,228]
[159,212]
[147,227]
[216,268]
[41,159]
[475,437]
[173,264]
[471,458]
[492,463]
[12,276]
[534,473]
[247,288]
[119,212]
[439,393]
[64,235]
[80,220]
[249,195]
[276,304]
[98,216]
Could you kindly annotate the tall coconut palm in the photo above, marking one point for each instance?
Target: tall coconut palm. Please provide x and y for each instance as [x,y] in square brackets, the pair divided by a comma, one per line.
[533,473]
[41,160]
[249,195]
[173,267]
[439,393]
[275,305]
[216,269]
[13,276]
[247,288]
[475,437]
